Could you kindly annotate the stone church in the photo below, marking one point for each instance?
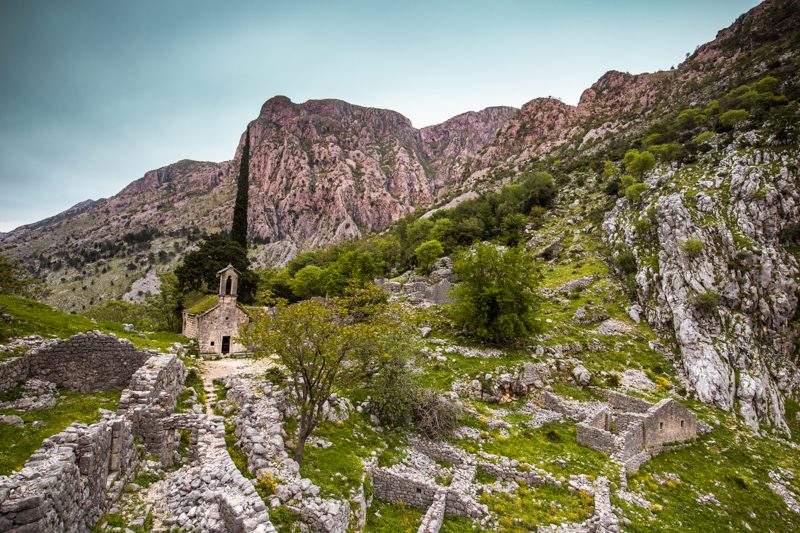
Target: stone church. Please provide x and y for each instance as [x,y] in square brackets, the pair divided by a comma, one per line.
[215,321]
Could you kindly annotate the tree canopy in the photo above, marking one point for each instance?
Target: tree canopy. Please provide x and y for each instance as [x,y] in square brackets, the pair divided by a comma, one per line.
[495,299]
[198,270]
[328,347]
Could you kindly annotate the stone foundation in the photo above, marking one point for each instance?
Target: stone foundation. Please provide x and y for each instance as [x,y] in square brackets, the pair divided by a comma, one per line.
[70,481]
[75,476]
[84,362]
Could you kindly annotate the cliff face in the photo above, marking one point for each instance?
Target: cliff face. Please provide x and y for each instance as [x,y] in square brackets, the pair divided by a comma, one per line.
[737,348]
[321,172]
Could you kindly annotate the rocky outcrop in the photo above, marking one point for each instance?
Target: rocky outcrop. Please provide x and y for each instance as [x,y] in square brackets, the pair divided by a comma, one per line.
[713,269]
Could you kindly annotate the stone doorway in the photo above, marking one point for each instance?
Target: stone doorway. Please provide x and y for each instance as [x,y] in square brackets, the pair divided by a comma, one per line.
[226,345]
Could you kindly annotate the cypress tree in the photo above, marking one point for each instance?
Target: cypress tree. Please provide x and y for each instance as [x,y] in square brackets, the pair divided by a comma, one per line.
[239,226]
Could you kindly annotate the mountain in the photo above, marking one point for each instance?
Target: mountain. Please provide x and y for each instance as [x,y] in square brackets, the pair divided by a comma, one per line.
[325,171]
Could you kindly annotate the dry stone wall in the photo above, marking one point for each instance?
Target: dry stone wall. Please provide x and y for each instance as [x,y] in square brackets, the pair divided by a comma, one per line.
[85,362]
[150,399]
[71,480]
[74,477]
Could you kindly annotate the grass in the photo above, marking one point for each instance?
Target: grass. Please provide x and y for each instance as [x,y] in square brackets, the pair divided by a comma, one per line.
[731,463]
[552,447]
[35,318]
[339,468]
[529,508]
[284,519]
[384,517]
[194,381]
[18,443]
[204,304]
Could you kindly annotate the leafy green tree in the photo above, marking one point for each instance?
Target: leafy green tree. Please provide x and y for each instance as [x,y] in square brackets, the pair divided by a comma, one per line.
[308,282]
[199,268]
[444,231]
[495,299]
[513,228]
[639,163]
[165,307]
[239,226]
[274,283]
[427,254]
[325,350]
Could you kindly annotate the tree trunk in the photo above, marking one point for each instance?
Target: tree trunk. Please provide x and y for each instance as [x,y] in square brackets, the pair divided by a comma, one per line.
[300,448]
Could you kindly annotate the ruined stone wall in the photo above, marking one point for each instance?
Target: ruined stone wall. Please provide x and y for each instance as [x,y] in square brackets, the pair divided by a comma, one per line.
[85,362]
[668,421]
[13,372]
[434,517]
[623,402]
[394,487]
[71,480]
[599,439]
[625,420]
[150,399]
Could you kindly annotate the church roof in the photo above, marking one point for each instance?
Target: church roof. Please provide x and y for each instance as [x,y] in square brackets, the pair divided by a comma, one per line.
[229,267]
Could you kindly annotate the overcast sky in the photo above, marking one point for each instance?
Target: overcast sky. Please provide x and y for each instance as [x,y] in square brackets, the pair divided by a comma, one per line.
[95,93]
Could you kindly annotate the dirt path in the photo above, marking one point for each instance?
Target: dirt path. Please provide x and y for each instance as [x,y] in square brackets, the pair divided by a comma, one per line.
[221,368]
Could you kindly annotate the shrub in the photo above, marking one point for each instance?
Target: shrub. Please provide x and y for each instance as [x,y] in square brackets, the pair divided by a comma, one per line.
[706,302]
[692,247]
[495,299]
[434,415]
[638,163]
[730,119]
[634,192]
[427,254]
[626,262]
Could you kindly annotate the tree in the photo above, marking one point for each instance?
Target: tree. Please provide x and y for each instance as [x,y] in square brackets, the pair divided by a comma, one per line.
[198,270]
[495,299]
[427,254]
[513,228]
[239,226]
[166,306]
[639,163]
[327,347]
[307,283]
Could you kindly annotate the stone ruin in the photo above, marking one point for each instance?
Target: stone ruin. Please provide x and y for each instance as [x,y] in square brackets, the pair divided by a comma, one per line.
[633,430]
[413,482]
[425,290]
[76,475]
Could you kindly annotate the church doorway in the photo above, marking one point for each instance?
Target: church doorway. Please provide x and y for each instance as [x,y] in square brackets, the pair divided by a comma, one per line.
[226,345]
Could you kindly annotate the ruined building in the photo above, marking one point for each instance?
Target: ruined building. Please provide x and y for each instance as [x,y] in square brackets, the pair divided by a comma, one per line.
[632,430]
[214,322]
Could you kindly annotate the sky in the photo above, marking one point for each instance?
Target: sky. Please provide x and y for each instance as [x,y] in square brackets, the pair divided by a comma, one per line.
[94,93]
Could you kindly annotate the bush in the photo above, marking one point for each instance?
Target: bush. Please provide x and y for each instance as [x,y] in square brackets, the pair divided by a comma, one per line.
[706,302]
[692,247]
[398,400]
[427,254]
[434,415]
[730,119]
[638,163]
[634,192]
[495,299]
[626,262]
